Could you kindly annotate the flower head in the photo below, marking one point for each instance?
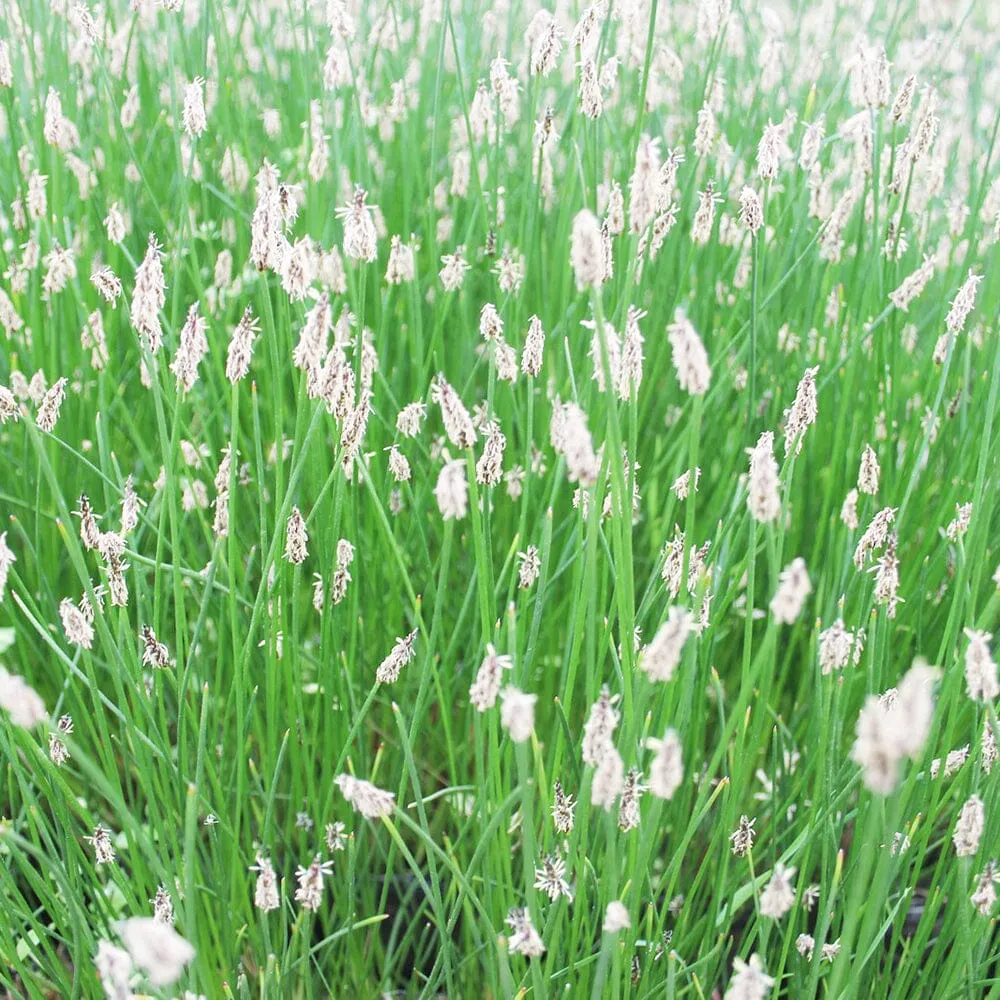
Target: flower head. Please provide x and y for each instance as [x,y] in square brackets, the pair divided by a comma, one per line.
[156,948]
[517,713]
[368,800]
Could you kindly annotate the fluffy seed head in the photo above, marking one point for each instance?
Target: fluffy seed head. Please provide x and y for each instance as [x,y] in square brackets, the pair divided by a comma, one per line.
[980,668]
[452,491]
[517,713]
[751,210]
[969,828]
[663,655]
[779,894]
[586,255]
[763,496]
[368,800]
[489,679]
[793,589]
[193,115]
[666,772]
[868,472]
[689,356]
[401,654]
[296,538]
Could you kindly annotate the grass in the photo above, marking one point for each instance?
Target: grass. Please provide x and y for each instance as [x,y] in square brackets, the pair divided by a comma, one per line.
[231,752]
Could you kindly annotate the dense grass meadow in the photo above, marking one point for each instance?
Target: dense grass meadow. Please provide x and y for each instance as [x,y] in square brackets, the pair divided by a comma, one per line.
[499,499]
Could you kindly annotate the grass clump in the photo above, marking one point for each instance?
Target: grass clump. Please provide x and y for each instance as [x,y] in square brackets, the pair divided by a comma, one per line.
[500,500]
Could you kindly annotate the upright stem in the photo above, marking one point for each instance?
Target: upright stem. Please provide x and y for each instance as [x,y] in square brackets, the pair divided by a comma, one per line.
[754,285]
